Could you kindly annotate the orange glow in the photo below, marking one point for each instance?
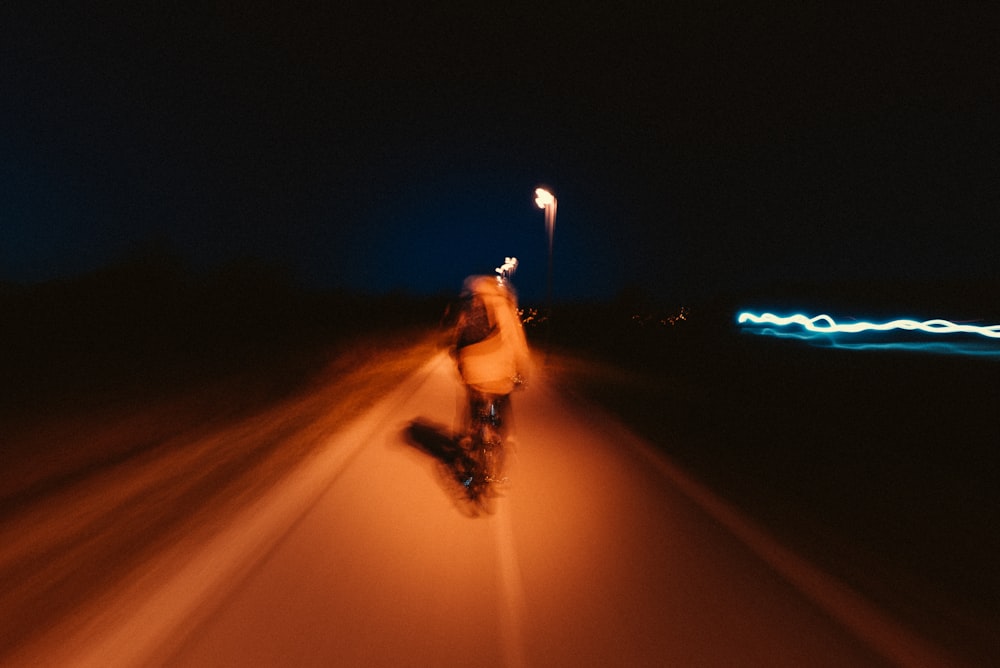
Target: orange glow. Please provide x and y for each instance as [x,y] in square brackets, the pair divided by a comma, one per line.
[599,551]
[544,198]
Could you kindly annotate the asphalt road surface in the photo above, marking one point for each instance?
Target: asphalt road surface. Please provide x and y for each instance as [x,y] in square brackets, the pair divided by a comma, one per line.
[597,552]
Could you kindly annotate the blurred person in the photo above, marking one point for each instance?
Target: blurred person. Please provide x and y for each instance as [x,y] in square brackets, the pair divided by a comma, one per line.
[493,360]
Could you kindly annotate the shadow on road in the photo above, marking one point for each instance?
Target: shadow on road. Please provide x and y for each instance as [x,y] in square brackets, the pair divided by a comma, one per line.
[441,444]
[434,440]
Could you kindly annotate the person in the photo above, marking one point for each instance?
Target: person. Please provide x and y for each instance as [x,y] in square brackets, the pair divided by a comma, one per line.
[493,360]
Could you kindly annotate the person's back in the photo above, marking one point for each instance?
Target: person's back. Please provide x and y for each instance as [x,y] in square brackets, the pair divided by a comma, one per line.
[490,344]
[492,355]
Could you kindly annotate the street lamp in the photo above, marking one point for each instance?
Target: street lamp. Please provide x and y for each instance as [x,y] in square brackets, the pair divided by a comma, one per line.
[547,201]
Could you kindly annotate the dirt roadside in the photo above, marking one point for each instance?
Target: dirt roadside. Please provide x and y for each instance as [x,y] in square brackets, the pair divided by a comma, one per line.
[88,498]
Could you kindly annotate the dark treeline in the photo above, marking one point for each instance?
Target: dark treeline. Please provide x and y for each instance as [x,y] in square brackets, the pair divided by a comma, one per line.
[630,330]
[153,319]
[143,324]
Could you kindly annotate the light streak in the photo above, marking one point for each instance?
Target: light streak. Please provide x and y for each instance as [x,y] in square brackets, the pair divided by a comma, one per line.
[824,324]
[547,201]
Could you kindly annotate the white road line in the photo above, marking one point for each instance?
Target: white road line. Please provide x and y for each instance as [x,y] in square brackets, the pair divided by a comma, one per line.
[511,590]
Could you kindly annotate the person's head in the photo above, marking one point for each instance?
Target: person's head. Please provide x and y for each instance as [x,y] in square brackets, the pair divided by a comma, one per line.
[480,285]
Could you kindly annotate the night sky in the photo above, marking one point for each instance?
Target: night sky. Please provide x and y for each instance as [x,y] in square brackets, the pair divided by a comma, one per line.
[695,147]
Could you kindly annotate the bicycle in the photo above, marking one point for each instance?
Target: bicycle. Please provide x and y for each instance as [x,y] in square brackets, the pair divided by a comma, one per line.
[480,466]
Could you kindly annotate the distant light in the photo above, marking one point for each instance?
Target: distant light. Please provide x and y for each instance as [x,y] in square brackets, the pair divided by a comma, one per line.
[507,269]
[824,324]
[509,265]
[544,198]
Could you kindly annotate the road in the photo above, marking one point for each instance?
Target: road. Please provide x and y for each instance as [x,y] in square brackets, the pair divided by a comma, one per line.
[599,551]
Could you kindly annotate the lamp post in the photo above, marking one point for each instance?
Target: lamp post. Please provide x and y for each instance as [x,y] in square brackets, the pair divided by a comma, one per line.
[547,201]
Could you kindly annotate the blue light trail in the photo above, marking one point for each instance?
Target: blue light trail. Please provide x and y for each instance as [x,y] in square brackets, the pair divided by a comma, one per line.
[823,330]
[824,324]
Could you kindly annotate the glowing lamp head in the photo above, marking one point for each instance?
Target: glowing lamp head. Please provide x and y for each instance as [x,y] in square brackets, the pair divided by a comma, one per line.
[544,198]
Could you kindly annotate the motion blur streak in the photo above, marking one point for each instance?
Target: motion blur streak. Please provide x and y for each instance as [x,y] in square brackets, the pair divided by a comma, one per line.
[824,324]
[147,619]
[598,551]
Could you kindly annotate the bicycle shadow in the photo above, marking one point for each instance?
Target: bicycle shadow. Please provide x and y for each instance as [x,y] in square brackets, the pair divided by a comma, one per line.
[433,439]
[443,445]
